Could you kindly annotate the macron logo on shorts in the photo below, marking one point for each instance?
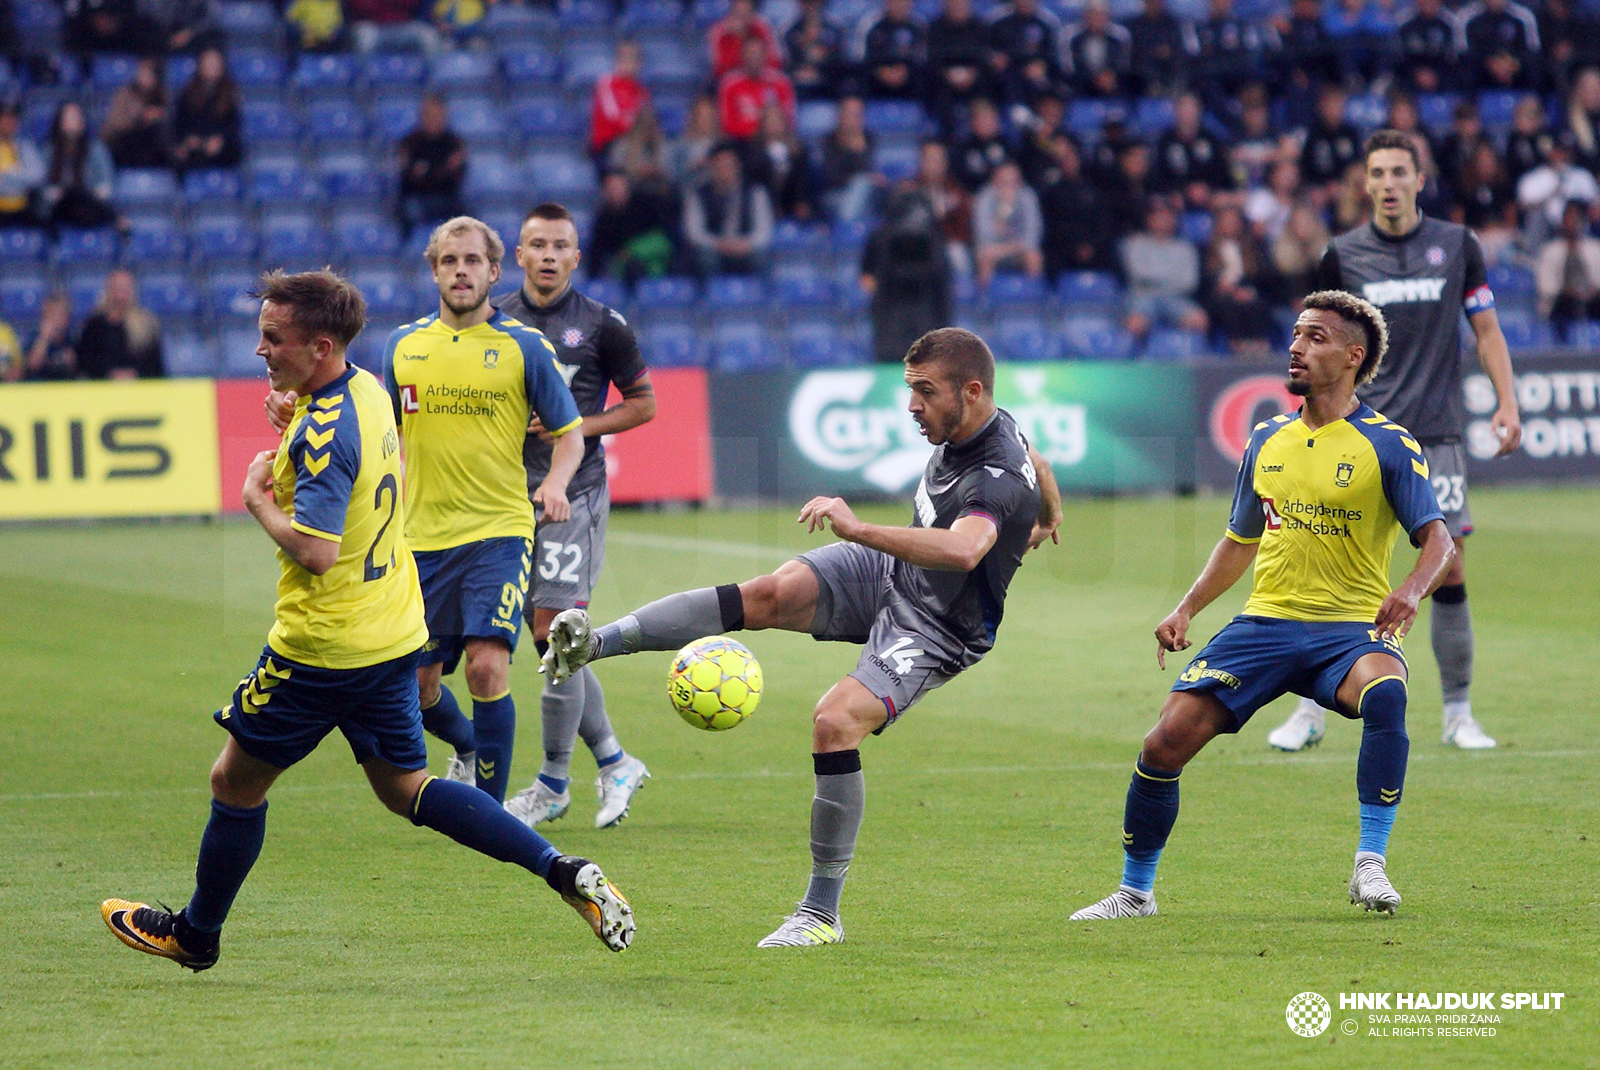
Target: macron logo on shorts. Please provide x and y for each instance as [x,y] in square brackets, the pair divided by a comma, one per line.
[408,398]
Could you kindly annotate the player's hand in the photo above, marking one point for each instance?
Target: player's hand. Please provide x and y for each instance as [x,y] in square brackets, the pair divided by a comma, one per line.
[554,503]
[1396,616]
[1507,424]
[280,409]
[1172,634]
[536,429]
[258,478]
[819,513]
[1042,530]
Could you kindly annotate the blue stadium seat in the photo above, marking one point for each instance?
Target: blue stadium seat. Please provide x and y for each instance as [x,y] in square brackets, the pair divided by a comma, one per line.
[394,116]
[351,178]
[1095,338]
[324,73]
[671,293]
[1174,345]
[584,63]
[789,236]
[84,291]
[820,344]
[1024,338]
[37,116]
[525,65]
[189,355]
[335,121]
[1510,281]
[1437,111]
[585,14]
[1366,111]
[256,68]
[849,236]
[492,174]
[463,70]
[646,15]
[1152,117]
[561,176]
[364,235]
[894,117]
[726,292]
[268,121]
[169,296]
[282,182]
[1496,109]
[547,116]
[1095,289]
[224,239]
[384,71]
[180,69]
[389,296]
[803,290]
[743,346]
[238,353]
[1195,227]
[672,65]
[366,351]
[609,292]
[243,18]
[1010,290]
[201,187]
[154,240]
[896,161]
[74,246]
[673,345]
[21,299]
[293,241]
[1522,335]
[702,13]
[480,120]
[1085,118]
[227,294]
[110,71]
[1585,335]
[141,185]
[815,119]
[520,22]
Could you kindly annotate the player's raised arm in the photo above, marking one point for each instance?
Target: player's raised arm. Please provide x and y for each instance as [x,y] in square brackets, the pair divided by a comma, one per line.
[958,548]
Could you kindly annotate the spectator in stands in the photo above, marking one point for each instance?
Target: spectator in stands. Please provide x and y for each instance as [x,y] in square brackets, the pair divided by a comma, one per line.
[1308,54]
[458,22]
[1236,274]
[779,162]
[1256,144]
[1570,38]
[727,220]
[1583,117]
[617,98]
[816,48]
[849,186]
[702,131]
[433,164]
[1268,208]
[318,25]
[181,26]
[746,91]
[1485,200]
[1428,62]
[1024,50]
[135,128]
[951,203]
[77,190]
[1190,161]
[11,356]
[958,61]
[1543,193]
[1036,151]
[1466,130]
[1163,275]
[1501,41]
[1332,144]
[904,269]
[1126,189]
[1360,31]
[1297,254]
[1077,234]
[390,26]
[21,170]
[1007,226]
[103,26]
[1160,51]
[632,236]
[206,132]
[1528,146]
[51,356]
[120,339]
[983,150]
[1567,272]
[1228,51]
[643,154]
[728,35]
[1098,54]
[893,53]
[1352,205]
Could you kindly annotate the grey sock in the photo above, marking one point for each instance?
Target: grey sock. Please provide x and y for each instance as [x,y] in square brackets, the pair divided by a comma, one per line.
[674,621]
[561,709]
[1452,648]
[595,728]
[836,812]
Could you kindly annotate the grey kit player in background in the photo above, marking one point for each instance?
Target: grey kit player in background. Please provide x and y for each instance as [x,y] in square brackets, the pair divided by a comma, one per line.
[1423,273]
[596,349]
[924,600]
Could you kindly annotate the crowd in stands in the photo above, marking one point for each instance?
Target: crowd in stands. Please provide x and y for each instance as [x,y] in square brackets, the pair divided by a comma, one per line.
[1090,178]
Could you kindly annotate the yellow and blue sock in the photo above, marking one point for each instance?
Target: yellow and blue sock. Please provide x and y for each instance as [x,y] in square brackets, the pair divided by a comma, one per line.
[445,720]
[494,724]
[228,849]
[1381,767]
[473,819]
[1147,821]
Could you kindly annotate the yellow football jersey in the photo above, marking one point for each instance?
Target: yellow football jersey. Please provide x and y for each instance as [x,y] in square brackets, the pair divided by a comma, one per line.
[338,476]
[1325,505]
[463,400]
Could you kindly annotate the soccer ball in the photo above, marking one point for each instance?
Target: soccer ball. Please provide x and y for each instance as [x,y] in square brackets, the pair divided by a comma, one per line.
[714,683]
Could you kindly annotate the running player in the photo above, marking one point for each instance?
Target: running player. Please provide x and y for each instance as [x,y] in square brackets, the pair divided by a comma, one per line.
[343,650]
[1423,273]
[1320,495]
[925,600]
[595,349]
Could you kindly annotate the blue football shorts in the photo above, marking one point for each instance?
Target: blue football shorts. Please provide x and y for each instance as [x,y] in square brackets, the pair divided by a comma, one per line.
[282,710]
[1253,660]
[475,591]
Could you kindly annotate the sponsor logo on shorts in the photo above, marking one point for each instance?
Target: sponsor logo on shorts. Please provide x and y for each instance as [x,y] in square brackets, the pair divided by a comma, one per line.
[507,625]
[1198,671]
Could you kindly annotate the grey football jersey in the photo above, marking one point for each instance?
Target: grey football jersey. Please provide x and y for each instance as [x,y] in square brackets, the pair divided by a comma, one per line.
[987,475]
[595,347]
[1422,281]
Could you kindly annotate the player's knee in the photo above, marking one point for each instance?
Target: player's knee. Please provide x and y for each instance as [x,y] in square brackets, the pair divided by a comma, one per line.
[428,692]
[1383,704]
[488,669]
[232,789]
[832,727]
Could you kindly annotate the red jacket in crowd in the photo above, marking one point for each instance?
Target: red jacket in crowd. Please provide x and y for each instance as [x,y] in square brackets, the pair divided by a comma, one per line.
[727,45]
[616,104]
[741,100]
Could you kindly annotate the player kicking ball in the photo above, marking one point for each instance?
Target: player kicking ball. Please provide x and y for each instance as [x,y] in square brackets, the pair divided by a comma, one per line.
[1318,500]
[926,600]
[343,651]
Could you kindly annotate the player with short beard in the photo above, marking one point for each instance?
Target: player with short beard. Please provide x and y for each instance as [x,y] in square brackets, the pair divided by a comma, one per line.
[925,600]
[1321,495]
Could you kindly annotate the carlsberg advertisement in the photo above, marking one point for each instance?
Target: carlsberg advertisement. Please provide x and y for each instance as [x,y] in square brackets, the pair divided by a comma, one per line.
[1104,428]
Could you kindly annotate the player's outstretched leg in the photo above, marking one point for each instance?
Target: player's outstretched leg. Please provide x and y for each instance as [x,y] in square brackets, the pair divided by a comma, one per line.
[1450,629]
[1303,730]
[665,624]
[1380,780]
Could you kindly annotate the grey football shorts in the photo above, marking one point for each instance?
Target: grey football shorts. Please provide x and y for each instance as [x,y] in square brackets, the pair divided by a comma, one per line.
[1447,471]
[904,658]
[567,555]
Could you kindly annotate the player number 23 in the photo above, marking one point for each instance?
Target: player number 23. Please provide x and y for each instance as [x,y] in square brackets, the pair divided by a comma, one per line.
[551,567]
[1450,492]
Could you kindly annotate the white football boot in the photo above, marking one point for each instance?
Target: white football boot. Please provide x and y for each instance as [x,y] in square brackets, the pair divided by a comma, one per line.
[614,787]
[1304,729]
[460,768]
[805,929]
[538,804]
[1122,903]
[572,644]
[1369,884]
[1462,730]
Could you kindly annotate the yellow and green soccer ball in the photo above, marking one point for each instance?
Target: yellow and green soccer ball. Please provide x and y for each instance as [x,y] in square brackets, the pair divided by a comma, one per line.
[714,683]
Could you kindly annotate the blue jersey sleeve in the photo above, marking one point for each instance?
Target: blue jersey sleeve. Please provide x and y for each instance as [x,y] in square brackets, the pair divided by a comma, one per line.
[389,383]
[1405,482]
[326,451]
[1246,521]
[548,395]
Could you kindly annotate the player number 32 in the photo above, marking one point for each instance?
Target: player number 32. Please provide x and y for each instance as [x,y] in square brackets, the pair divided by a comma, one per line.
[551,567]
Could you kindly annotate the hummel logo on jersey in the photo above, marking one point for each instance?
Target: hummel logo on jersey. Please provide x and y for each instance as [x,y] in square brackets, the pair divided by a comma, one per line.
[1403,291]
[408,398]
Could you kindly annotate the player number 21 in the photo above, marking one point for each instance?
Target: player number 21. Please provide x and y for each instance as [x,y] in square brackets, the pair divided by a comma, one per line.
[552,569]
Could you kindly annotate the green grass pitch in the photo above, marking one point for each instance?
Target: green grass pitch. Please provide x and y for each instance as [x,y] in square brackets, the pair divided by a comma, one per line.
[993,811]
